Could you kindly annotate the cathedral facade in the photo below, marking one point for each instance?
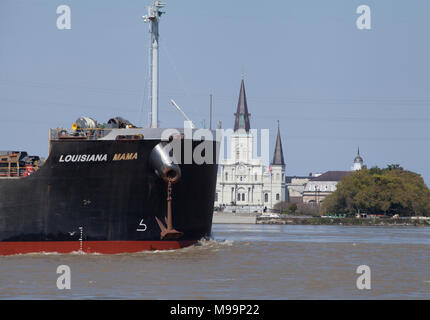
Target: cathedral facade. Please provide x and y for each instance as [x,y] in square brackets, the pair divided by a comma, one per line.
[245,184]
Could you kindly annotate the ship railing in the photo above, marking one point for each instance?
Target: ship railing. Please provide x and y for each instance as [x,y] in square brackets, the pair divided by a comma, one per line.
[79,134]
[11,172]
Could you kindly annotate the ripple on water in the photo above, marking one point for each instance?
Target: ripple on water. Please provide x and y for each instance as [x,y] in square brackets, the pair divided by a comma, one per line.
[239,263]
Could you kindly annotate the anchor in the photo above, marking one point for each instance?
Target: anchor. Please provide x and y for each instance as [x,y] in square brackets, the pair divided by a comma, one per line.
[169,233]
[170,172]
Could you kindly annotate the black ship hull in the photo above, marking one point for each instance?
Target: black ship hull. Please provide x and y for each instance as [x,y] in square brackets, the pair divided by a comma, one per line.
[104,196]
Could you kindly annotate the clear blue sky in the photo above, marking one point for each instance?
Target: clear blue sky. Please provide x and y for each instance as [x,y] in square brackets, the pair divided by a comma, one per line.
[333,87]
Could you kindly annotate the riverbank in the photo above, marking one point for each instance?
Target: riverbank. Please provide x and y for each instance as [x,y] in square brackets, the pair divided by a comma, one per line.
[234,218]
[342,221]
[245,218]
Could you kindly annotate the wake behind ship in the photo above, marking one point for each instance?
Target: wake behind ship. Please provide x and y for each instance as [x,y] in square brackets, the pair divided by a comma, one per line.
[110,188]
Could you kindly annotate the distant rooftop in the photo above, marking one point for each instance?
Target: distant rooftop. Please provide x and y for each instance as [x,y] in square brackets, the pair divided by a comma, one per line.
[290,178]
[332,176]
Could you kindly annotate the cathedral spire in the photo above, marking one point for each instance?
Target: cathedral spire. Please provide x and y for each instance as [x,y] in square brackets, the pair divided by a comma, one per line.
[278,156]
[241,120]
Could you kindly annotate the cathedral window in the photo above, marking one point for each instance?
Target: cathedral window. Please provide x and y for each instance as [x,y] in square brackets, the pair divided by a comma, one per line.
[266,197]
[216,196]
[277,196]
[226,176]
[238,197]
[243,197]
[256,177]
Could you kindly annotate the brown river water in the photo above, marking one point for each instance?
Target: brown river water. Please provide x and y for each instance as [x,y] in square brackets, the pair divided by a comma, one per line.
[241,262]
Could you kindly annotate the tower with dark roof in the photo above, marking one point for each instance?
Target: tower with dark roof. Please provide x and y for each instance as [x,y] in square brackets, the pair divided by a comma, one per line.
[242,138]
[242,115]
[278,155]
[358,161]
[244,182]
[277,170]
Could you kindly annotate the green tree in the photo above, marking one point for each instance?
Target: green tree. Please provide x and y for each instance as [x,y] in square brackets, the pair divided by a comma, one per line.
[292,208]
[380,191]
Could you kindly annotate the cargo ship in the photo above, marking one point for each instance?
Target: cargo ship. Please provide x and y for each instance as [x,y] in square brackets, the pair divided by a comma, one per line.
[110,188]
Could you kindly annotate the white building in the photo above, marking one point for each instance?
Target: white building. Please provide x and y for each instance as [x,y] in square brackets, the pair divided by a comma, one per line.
[318,188]
[244,184]
[296,186]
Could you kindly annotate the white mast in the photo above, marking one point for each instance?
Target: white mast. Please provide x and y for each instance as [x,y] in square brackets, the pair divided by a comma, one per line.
[153,17]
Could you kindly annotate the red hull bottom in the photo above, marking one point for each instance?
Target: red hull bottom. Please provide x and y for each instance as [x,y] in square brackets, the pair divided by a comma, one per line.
[103,247]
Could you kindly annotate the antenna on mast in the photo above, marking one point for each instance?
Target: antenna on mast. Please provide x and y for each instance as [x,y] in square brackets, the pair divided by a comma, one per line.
[210,112]
[152,17]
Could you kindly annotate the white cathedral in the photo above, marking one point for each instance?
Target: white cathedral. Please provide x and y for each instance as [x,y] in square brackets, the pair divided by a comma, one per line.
[244,184]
